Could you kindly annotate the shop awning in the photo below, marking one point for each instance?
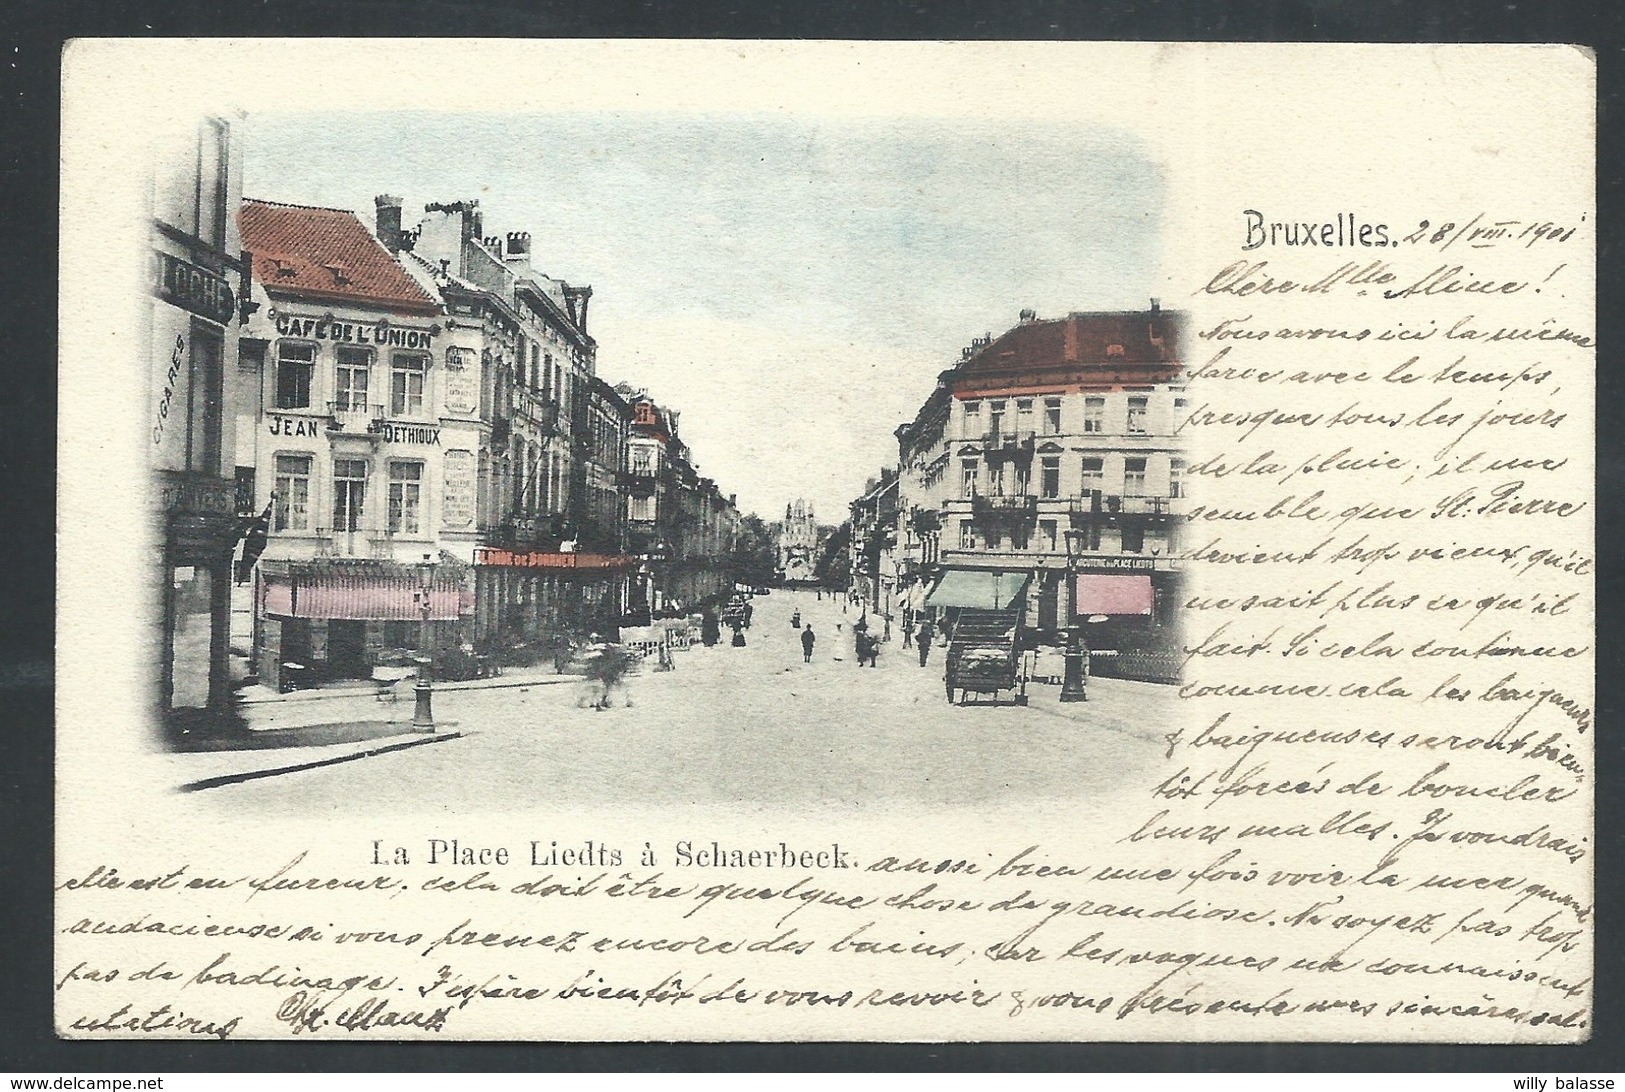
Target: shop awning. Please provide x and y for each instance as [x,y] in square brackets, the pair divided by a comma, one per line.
[978,589]
[371,597]
[1111,595]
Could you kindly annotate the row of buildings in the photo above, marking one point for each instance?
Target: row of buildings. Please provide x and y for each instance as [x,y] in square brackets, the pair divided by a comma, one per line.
[1056,426]
[368,431]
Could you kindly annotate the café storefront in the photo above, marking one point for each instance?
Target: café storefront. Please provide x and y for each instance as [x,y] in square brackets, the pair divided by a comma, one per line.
[338,618]
[530,596]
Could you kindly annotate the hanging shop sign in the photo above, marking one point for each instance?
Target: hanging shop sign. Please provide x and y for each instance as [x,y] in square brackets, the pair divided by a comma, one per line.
[385,333]
[192,288]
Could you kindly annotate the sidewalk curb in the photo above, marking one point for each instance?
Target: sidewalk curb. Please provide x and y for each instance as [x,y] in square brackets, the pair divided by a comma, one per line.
[254,775]
[440,688]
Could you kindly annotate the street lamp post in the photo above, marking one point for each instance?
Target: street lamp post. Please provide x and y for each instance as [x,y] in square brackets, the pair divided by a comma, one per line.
[1075,682]
[423,717]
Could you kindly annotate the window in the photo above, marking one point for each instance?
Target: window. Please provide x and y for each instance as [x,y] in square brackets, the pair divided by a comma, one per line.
[643,462]
[535,366]
[967,535]
[351,388]
[203,397]
[995,480]
[349,494]
[211,183]
[1094,473]
[967,472]
[1094,415]
[1136,413]
[993,537]
[1133,477]
[294,364]
[405,498]
[292,509]
[641,508]
[1133,539]
[1024,475]
[1176,477]
[995,417]
[973,419]
[1024,415]
[1046,535]
[1051,480]
[1020,537]
[1052,416]
[406,375]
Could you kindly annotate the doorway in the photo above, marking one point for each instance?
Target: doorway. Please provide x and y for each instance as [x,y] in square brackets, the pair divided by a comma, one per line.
[347,649]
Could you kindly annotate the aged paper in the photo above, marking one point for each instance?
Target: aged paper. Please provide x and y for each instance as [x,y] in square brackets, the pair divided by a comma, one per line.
[1364,811]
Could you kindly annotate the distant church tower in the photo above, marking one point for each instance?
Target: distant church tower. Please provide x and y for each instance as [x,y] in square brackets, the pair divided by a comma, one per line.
[798,543]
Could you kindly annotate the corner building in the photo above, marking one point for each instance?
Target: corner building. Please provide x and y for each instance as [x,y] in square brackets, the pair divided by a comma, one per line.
[1056,425]
[363,440]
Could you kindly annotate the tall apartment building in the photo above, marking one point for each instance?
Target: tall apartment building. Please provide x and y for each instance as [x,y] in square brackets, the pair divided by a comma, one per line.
[199,296]
[551,554]
[1055,425]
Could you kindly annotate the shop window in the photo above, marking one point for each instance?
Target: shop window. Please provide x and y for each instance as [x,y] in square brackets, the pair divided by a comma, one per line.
[405,498]
[1133,477]
[406,384]
[295,364]
[1051,477]
[1094,415]
[349,494]
[1052,416]
[350,389]
[1137,409]
[292,509]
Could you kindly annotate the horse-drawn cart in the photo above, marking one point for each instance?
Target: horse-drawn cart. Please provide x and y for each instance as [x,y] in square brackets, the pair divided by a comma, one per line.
[984,655]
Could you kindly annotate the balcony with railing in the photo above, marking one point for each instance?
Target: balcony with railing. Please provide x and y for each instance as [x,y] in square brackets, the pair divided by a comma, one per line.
[1004,506]
[1111,504]
[1005,440]
[353,418]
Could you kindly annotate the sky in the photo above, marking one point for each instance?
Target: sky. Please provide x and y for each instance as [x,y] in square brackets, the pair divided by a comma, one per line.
[792,285]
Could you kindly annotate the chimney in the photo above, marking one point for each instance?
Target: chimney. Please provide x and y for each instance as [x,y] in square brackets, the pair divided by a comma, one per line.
[518,244]
[1156,305]
[388,220]
[1029,315]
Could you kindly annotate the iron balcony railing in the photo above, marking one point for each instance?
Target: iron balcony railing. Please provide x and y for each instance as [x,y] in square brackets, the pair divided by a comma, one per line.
[362,418]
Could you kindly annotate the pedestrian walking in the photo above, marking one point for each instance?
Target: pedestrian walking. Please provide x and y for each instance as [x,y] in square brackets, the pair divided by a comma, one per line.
[923,641]
[739,636]
[749,610]
[807,640]
[795,620]
[710,632]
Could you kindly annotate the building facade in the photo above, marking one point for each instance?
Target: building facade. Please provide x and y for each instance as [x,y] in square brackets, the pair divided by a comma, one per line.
[1056,425]
[199,297]
[362,438]
[796,545]
[551,562]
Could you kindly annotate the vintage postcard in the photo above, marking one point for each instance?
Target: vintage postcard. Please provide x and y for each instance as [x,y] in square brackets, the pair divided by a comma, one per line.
[624,540]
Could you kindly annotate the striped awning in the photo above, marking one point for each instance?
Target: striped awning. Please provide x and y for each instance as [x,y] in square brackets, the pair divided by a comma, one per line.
[364,597]
[1111,595]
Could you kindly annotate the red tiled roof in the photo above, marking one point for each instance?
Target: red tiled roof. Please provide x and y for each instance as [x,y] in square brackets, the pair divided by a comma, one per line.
[326,254]
[1102,337]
